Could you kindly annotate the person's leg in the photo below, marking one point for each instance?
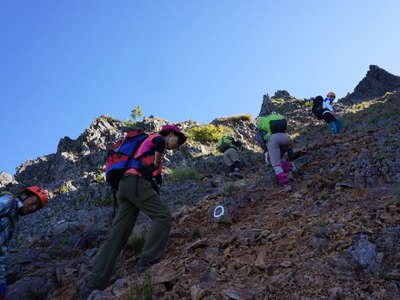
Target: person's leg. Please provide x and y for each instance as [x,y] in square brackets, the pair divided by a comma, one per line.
[231,159]
[227,159]
[148,201]
[333,127]
[274,150]
[330,119]
[339,125]
[121,229]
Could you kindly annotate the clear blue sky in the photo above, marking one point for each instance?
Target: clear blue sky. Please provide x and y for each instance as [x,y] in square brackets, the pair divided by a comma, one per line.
[65,62]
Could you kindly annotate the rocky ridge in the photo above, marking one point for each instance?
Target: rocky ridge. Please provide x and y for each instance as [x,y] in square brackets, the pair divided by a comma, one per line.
[375,84]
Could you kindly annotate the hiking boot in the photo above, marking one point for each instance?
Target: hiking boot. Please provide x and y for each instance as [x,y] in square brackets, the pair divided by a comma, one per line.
[282,179]
[287,188]
[235,173]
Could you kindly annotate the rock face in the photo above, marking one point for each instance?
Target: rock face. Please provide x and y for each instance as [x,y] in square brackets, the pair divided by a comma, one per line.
[6,179]
[267,106]
[375,84]
[282,94]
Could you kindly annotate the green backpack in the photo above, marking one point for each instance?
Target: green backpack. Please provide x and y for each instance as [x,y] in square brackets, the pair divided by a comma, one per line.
[225,143]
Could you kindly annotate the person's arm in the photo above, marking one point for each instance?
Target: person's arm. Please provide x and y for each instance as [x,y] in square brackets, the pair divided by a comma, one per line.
[157,159]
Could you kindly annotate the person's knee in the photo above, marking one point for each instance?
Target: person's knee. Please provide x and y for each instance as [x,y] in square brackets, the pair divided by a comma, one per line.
[165,219]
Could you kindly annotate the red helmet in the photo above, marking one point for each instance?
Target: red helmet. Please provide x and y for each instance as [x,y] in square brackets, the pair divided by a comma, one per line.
[331,95]
[174,129]
[41,193]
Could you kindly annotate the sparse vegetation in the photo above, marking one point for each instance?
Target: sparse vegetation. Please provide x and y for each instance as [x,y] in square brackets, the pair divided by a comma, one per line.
[235,118]
[107,201]
[99,178]
[182,174]
[64,188]
[129,123]
[136,113]
[208,133]
[109,119]
[230,189]
[142,290]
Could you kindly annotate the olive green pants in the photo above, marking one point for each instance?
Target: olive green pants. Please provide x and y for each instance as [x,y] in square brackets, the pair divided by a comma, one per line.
[134,194]
[231,156]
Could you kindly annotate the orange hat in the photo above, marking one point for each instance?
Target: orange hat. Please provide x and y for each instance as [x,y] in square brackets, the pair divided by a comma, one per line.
[41,193]
[331,95]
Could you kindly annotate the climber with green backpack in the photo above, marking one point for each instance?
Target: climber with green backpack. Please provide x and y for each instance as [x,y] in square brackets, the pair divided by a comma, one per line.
[273,139]
[229,147]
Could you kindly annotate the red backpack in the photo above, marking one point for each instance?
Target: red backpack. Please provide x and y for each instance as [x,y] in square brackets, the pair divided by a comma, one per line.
[120,157]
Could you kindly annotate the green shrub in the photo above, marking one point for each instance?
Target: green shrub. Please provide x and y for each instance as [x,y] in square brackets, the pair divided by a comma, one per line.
[182,174]
[208,133]
[230,189]
[306,103]
[99,178]
[129,123]
[64,189]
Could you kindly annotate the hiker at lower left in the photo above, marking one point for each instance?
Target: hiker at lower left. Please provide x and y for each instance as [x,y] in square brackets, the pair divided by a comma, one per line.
[28,201]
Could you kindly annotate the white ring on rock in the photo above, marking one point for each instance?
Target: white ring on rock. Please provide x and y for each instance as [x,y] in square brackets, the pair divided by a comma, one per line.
[215,211]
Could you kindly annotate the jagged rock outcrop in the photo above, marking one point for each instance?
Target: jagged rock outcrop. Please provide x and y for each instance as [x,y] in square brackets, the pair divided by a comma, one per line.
[375,84]
[6,179]
[282,94]
[267,106]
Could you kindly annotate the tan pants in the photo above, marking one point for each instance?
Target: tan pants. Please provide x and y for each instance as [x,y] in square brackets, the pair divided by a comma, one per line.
[231,156]
[278,145]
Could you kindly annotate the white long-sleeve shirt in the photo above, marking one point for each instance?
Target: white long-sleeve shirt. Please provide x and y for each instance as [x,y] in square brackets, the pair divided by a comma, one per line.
[327,105]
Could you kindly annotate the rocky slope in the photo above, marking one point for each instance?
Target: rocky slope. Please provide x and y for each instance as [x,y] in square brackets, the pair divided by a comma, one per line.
[335,236]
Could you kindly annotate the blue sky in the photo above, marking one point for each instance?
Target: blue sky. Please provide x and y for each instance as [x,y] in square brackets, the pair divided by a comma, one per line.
[63,63]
